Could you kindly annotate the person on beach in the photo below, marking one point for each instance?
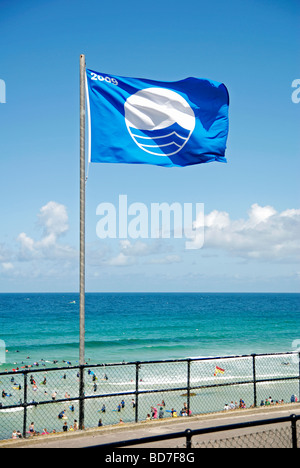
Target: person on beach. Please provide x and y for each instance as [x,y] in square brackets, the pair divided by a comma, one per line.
[161,413]
[100,423]
[184,411]
[31,429]
[65,427]
[75,426]
[62,414]
[154,412]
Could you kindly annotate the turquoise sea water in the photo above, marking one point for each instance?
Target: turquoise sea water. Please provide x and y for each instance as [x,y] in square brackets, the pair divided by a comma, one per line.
[147,326]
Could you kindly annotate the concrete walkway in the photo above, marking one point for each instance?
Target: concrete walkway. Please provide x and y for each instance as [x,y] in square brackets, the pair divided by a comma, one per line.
[94,437]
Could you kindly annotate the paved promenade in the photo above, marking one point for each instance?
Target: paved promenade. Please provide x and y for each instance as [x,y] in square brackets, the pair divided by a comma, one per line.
[94,437]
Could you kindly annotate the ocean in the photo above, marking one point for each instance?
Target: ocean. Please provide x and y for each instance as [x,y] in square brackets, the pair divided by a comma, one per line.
[148,326]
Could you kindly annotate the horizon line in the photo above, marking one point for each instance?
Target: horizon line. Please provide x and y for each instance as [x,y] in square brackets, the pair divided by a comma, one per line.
[151,292]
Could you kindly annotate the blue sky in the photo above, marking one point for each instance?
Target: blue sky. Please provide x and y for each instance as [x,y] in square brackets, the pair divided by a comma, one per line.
[252,212]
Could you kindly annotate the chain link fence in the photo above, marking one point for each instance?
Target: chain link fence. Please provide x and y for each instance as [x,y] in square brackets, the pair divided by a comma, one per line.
[280,435]
[272,438]
[42,400]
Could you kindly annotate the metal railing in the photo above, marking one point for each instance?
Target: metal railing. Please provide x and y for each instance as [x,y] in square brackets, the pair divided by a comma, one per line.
[129,392]
[291,441]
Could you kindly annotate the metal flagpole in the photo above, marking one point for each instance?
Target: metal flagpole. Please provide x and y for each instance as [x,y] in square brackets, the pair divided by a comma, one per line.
[82,211]
[82,243]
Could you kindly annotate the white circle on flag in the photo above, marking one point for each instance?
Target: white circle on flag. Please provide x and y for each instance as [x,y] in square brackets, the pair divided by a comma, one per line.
[159,120]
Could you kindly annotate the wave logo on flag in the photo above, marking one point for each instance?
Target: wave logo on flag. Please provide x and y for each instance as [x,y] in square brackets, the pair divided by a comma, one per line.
[159,120]
[218,371]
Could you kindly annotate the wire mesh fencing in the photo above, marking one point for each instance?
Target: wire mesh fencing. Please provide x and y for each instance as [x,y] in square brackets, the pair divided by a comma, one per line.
[44,400]
[267,439]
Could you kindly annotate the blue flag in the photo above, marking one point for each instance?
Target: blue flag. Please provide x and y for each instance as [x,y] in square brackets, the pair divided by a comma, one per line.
[140,121]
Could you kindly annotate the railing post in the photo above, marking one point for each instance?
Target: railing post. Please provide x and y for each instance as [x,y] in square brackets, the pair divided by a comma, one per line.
[25,405]
[188,386]
[81,397]
[137,369]
[254,380]
[188,435]
[294,431]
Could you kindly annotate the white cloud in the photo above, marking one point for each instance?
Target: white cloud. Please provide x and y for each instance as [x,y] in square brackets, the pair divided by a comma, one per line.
[142,249]
[5,254]
[260,214]
[53,218]
[27,244]
[132,253]
[120,260]
[167,260]
[264,234]
[7,266]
